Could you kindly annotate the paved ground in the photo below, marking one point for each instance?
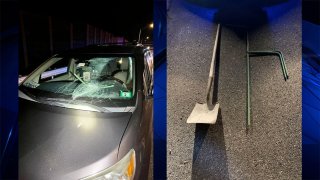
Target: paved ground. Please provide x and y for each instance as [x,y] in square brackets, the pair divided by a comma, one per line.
[272,148]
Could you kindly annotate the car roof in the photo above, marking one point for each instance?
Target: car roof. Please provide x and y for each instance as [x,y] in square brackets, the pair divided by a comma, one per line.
[107,49]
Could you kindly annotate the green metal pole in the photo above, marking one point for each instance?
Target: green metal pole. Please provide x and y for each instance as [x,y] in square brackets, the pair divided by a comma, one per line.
[248,86]
[277,53]
[284,64]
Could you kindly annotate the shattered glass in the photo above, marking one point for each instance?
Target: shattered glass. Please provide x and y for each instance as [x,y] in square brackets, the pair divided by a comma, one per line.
[107,89]
[87,76]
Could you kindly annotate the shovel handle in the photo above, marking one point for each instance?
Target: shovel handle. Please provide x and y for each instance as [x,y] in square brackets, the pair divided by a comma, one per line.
[214,54]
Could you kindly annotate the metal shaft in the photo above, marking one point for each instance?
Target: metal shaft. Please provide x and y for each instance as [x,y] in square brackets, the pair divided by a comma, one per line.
[277,53]
[260,53]
[210,80]
[248,86]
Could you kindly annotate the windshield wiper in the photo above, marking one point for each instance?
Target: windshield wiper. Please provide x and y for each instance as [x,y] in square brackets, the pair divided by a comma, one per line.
[26,96]
[65,103]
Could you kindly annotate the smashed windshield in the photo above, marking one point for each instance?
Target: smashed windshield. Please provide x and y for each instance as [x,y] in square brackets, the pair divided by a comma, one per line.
[85,77]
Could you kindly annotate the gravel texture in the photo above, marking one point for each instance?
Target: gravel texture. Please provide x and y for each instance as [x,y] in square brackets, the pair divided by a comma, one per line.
[271,149]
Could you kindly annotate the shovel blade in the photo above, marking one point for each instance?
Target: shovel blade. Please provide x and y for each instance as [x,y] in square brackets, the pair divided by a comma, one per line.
[201,114]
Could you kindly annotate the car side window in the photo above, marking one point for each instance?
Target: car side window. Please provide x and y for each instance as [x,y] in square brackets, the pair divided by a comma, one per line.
[55,71]
[148,74]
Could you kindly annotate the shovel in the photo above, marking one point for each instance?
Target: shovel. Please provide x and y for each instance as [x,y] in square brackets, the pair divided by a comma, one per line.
[207,113]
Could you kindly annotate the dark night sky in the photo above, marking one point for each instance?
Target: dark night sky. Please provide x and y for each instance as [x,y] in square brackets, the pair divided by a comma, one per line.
[120,17]
[311,11]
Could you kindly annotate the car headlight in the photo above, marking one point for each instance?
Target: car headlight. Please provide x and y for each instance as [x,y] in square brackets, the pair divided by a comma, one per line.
[122,170]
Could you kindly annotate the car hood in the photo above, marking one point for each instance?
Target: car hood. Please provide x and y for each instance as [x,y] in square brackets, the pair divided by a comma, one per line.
[62,143]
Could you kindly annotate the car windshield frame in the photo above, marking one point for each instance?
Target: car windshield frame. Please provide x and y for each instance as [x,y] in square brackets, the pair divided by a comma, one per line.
[44,96]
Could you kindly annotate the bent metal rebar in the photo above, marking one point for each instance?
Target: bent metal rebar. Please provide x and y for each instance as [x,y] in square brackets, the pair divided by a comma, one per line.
[255,54]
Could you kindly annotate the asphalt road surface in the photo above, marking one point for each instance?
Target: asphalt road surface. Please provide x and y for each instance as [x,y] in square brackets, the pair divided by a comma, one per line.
[271,149]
